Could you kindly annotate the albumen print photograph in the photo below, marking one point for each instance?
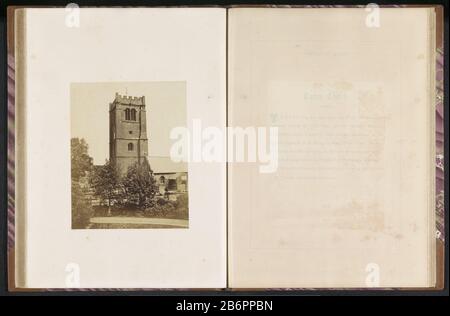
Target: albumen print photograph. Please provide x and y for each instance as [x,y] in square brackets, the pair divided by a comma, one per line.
[121,171]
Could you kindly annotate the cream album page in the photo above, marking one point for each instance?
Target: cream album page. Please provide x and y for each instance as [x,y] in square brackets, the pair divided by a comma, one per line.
[347,100]
[119,87]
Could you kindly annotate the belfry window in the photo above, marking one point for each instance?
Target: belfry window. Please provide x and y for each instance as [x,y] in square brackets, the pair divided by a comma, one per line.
[130,114]
[130,146]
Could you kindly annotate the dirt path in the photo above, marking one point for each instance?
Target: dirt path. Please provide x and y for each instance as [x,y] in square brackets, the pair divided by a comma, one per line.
[140,221]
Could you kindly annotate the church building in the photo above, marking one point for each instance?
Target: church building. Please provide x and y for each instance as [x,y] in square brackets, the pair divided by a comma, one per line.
[128,144]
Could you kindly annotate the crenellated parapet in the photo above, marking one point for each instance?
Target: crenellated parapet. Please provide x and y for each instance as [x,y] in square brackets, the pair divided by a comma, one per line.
[129,100]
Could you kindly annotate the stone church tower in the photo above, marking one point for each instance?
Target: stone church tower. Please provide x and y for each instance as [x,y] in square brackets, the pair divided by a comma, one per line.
[128,141]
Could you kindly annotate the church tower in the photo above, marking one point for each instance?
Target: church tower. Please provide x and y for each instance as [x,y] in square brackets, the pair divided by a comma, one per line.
[128,141]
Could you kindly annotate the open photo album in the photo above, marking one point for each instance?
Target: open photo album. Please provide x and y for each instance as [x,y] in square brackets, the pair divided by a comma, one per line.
[237,148]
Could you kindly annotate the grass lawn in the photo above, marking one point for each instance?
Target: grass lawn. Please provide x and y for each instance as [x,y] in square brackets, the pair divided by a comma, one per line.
[102,211]
[127,226]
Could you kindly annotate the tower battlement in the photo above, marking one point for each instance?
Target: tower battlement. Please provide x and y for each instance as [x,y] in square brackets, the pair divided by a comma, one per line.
[129,100]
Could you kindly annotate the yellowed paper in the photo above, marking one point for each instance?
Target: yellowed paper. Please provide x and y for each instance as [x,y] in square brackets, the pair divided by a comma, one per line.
[351,201]
[108,48]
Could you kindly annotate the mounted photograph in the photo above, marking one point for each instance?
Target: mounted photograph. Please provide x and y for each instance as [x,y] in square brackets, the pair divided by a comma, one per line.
[122,175]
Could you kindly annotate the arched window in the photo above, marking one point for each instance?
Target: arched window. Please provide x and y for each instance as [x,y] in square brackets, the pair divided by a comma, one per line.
[133,115]
[130,146]
[162,180]
[127,114]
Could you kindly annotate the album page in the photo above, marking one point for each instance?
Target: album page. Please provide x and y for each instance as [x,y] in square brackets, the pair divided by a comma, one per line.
[104,199]
[337,190]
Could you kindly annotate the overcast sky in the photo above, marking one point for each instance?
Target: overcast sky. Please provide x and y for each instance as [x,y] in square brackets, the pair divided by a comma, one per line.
[165,104]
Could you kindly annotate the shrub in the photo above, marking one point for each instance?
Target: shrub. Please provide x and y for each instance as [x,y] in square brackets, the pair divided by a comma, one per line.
[160,201]
[161,207]
[182,202]
[182,206]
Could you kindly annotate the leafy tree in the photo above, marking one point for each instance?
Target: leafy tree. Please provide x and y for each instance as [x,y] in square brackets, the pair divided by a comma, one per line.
[105,180]
[82,210]
[140,185]
[81,162]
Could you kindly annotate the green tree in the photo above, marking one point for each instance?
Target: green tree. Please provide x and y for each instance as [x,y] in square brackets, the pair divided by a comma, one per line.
[81,164]
[82,210]
[140,185]
[105,180]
